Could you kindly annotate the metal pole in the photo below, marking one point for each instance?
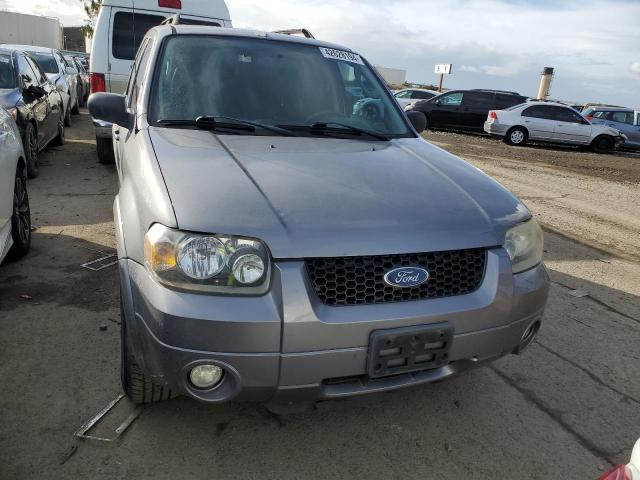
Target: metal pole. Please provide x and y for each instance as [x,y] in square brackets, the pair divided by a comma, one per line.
[440,86]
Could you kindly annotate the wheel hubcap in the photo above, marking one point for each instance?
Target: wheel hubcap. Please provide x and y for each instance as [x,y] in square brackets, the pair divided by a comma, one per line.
[21,210]
[517,136]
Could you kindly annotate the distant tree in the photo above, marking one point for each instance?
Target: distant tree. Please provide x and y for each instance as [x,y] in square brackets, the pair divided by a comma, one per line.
[91,8]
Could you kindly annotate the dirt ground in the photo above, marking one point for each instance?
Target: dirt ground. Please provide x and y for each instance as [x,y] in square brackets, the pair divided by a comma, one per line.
[568,408]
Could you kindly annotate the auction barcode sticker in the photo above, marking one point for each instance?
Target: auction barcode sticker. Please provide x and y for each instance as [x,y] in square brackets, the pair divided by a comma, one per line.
[341,55]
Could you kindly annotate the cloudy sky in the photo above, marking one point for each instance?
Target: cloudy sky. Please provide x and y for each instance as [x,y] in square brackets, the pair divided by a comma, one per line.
[594,45]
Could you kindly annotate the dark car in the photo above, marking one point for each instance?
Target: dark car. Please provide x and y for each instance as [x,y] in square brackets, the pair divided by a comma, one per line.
[465,109]
[33,102]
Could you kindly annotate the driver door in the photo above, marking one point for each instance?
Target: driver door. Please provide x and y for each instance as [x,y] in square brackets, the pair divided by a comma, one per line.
[447,110]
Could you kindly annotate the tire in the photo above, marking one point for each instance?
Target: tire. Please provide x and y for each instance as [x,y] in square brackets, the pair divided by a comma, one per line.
[30,144]
[60,139]
[20,217]
[516,136]
[76,108]
[136,385]
[104,147]
[67,117]
[427,124]
[80,96]
[602,144]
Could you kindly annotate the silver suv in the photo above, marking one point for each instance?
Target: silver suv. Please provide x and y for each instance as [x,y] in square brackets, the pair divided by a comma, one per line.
[282,240]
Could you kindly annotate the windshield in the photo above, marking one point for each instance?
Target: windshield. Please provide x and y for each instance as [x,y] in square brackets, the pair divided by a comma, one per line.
[46,62]
[271,82]
[7,78]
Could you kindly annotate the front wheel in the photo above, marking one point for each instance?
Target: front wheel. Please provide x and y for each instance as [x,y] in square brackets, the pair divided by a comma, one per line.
[31,150]
[67,116]
[104,147]
[21,217]
[602,144]
[59,140]
[516,136]
[135,383]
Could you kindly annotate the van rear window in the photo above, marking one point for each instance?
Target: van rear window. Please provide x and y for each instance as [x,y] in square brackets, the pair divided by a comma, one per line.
[128,31]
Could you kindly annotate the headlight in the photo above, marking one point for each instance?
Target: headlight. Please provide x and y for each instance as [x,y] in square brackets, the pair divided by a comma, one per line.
[207,263]
[524,244]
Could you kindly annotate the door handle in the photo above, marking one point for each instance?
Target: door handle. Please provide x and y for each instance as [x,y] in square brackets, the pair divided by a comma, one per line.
[116,134]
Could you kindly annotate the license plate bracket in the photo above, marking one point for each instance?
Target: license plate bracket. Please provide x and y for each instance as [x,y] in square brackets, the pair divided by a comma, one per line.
[409,349]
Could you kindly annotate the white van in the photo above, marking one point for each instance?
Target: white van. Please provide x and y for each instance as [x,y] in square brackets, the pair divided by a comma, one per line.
[120,27]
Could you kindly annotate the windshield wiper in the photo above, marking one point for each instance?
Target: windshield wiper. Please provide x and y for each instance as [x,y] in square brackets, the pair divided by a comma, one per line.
[323,128]
[213,123]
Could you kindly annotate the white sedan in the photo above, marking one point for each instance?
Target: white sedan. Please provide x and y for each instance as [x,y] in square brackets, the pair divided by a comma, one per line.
[550,122]
[15,217]
[410,96]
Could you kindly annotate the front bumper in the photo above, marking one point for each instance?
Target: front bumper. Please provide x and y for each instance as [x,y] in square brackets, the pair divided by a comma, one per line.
[288,347]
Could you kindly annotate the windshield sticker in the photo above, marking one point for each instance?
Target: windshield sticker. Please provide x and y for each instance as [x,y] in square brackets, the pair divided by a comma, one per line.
[341,55]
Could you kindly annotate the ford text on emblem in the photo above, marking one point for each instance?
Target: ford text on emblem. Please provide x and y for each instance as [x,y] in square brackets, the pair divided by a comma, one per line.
[406,277]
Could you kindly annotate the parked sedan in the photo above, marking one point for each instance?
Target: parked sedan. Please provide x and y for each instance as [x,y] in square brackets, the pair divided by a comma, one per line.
[626,120]
[301,244]
[33,102]
[82,80]
[409,96]
[55,66]
[464,109]
[15,215]
[550,122]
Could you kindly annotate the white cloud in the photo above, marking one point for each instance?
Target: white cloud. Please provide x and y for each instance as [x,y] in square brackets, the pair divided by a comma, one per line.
[635,68]
[468,68]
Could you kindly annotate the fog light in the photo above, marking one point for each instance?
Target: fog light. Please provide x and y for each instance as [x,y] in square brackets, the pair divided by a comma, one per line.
[248,269]
[205,376]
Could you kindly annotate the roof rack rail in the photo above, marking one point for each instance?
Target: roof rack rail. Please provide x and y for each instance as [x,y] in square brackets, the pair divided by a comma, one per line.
[494,91]
[296,31]
[172,20]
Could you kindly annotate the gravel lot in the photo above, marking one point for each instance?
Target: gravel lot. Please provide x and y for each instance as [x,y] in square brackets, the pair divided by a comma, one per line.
[567,409]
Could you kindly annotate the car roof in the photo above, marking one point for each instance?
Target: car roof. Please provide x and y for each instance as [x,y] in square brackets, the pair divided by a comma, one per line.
[542,102]
[246,33]
[611,109]
[417,90]
[28,48]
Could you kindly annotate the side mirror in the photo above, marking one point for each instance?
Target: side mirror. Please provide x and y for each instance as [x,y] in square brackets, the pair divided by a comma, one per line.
[418,120]
[109,107]
[437,102]
[35,91]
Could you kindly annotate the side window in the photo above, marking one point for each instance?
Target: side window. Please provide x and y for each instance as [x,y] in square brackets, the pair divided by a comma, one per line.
[423,95]
[40,75]
[27,75]
[622,117]
[128,31]
[566,115]
[539,111]
[478,100]
[503,100]
[137,76]
[601,115]
[452,99]
[406,94]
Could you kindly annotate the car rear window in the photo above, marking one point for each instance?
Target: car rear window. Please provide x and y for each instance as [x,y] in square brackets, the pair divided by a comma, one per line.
[46,62]
[7,77]
[128,31]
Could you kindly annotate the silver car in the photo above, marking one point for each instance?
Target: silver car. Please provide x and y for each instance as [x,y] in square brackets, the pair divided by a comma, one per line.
[15,217]
[283,241]
[626,120]
[550,122]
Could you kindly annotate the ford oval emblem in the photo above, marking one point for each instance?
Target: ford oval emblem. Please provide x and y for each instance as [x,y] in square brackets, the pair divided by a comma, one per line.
[406,277]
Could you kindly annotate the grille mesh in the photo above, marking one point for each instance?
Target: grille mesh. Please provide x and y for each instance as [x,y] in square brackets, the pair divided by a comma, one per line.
[360,280]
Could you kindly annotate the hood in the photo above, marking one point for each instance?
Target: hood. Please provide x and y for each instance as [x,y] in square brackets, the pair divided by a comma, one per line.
[315,197]
[9,97]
